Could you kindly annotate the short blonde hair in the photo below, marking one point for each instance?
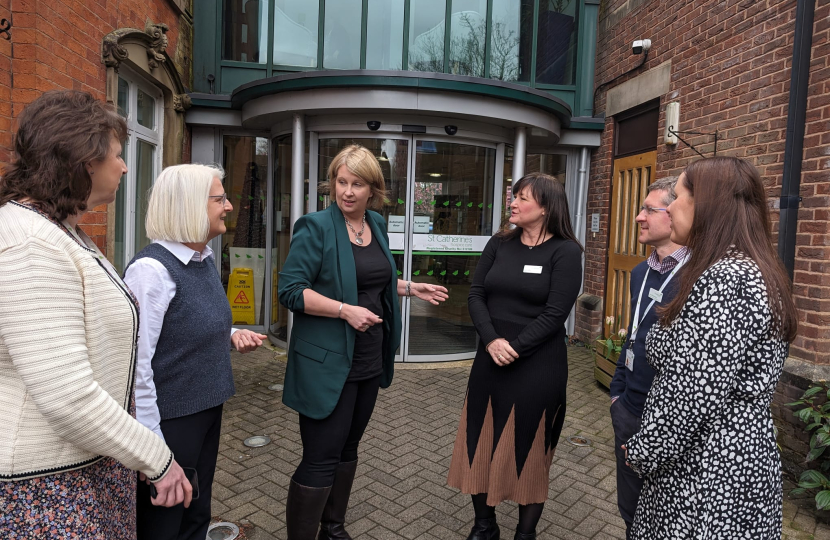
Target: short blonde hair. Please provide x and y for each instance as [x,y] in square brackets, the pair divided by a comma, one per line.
[177,210]
[362,163]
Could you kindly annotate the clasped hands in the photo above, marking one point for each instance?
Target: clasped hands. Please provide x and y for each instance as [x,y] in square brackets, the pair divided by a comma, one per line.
[501,351]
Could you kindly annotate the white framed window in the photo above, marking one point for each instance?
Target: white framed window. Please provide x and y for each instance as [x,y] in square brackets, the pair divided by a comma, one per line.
[142,106]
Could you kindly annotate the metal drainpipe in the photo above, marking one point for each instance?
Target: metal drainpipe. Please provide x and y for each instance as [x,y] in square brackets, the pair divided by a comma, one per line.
[297,181]
[519,153]
[796,120]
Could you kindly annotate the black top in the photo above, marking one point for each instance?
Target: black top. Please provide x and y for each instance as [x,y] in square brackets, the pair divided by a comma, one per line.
[532,287]
[373,275]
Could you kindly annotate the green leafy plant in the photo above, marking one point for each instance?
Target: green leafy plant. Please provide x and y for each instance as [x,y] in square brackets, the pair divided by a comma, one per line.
[616,335]
[817,418]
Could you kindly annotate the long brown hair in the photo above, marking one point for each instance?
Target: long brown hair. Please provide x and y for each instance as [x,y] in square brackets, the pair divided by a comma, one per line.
[58,134]
[730,209]
[550,194]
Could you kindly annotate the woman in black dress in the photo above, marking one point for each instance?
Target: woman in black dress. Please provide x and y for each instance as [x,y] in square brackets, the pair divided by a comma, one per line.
[523,290]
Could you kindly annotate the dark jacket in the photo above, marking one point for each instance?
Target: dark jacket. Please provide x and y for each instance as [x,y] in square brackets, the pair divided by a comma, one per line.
[320,349]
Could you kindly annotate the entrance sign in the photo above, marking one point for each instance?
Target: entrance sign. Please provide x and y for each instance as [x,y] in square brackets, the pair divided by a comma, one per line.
[449,242]
[421,225]
[396,224]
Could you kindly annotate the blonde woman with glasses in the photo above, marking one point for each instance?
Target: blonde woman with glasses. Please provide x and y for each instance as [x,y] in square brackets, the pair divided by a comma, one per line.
[184,367]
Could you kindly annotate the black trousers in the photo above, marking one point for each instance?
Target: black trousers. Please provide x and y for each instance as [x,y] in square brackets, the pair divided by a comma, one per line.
[629,484]
[335,439]
[194,440]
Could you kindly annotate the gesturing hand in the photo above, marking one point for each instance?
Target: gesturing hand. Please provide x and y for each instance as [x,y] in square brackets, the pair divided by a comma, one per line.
[358,317]
[430,293]
[502,352]
[246,341]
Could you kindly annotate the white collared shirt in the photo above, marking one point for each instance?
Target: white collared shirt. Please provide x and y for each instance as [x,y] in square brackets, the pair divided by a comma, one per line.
[154,288]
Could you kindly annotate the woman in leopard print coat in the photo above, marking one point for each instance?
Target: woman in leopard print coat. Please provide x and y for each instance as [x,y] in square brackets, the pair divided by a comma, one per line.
[707,447]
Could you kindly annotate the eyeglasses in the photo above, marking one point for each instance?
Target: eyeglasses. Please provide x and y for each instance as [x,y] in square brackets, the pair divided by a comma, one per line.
[223,198]
[650,209]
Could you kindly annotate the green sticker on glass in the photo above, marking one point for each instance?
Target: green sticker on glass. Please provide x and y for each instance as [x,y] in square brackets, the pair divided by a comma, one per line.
[455,273]
[400,273]
[260,256]
[467,273]
[469,205]
[430,273]
[416,273]
[236,255]
[458,204]
[419,202]
[250,198]
[248,256]
[490,205]
[480,205]
[400,201]
[446,203]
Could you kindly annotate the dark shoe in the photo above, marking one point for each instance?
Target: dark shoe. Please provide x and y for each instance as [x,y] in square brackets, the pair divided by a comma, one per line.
[522,536]
[485,529]
[303,510]
[332,524]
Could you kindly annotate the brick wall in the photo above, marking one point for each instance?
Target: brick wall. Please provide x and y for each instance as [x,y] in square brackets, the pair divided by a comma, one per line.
[731,72]
[56,44]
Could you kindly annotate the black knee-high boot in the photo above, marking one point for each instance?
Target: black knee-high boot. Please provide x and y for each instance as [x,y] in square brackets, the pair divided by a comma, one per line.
[332,524]
[303,510]
[485,527]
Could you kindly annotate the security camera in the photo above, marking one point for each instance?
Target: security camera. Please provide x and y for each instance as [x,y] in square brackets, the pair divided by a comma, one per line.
[374,125]
[640,45]
[451,130]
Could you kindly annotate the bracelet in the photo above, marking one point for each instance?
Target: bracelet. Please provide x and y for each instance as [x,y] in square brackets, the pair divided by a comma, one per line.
[340,311]
[408,288]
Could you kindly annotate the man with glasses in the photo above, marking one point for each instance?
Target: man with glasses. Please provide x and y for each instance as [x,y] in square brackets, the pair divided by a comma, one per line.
[651,287]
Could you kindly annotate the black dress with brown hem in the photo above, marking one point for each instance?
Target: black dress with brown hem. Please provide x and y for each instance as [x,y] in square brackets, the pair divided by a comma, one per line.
[513,415]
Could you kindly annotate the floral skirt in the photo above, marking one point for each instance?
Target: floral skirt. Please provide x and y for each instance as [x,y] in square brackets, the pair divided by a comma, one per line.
[93,503]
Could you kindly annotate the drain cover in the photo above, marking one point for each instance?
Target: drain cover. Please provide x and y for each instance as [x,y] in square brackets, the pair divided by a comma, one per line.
[222,531]
[277,387]
[579,441]
[257,441]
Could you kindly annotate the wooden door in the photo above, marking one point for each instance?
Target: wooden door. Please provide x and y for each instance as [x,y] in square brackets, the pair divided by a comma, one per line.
[631,177]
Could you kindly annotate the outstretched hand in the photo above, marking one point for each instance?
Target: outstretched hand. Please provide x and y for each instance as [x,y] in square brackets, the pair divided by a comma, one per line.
[434,294]
[246,341]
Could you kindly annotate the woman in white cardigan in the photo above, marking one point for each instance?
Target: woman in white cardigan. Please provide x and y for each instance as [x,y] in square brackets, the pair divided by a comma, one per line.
[68,327]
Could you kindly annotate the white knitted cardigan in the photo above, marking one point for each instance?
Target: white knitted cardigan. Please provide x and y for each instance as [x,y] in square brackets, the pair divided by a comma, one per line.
[67,357]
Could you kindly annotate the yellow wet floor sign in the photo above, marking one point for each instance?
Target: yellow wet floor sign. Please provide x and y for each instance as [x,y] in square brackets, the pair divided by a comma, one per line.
[241,296]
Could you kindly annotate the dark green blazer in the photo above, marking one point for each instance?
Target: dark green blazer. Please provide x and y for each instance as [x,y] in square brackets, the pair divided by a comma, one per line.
[321,348]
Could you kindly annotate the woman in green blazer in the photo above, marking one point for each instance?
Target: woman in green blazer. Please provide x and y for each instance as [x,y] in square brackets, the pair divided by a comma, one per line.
[341,283]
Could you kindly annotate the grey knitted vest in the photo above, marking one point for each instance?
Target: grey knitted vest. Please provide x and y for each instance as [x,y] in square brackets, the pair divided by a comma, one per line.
[192,362]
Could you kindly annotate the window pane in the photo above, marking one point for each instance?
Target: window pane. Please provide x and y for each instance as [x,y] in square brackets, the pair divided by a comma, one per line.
[468,31]
[123,98]
[341,48]
[556,45]
[426,35]
[243,244]
[550,164]
[144,174]
[511,40]
[295,32]
[244,30]
[384,40]
[119,247]
[146,110]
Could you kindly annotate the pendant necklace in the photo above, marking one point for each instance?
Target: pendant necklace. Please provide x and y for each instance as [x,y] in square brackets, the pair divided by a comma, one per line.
[357,235]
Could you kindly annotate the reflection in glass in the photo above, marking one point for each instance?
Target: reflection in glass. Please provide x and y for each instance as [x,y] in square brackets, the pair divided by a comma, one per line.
[123,98]
[392,156]
[511,40]
[146,110]
[295,32]
[468,31]
[243,244]
[119,245]
[282,231]
[341,47]
[244,30]
[384,38]
[444,329]
[426,35]
[550,164]
[556,42]
[145,154]
[454,187]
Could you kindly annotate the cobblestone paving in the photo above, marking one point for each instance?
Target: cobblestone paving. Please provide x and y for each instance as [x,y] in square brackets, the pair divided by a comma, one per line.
[400,490]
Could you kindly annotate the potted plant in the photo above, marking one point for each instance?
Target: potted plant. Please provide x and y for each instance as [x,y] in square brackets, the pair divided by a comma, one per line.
[607,350]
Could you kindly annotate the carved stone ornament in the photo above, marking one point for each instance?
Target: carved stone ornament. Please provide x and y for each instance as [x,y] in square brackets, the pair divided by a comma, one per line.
[153,38]
[181,102]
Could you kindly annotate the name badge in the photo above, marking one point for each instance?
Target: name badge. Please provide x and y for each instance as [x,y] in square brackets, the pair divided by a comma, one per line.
[530,269]
[629,359]
[655,295]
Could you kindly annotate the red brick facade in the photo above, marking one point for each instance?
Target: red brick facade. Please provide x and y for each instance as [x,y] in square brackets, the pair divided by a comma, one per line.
[56,44]
[730,71]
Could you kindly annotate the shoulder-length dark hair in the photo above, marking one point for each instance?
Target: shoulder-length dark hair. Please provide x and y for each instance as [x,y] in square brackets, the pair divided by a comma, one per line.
[550,194]
[730,209]
[58,134]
